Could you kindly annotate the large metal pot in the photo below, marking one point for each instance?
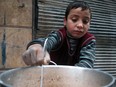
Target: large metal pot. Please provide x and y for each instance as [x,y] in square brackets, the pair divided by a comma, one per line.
[56,76]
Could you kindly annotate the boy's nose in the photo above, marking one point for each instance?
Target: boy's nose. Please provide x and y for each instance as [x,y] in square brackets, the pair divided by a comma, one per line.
[79,24]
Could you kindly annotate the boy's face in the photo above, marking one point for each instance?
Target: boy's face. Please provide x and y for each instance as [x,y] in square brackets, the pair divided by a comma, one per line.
[77,22]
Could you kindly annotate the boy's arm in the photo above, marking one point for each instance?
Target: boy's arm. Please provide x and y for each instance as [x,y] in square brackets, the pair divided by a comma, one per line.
[53,41]
[34,55]
[87,55]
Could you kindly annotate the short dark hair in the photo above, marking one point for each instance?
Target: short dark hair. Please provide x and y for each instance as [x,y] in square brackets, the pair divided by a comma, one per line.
[77,4]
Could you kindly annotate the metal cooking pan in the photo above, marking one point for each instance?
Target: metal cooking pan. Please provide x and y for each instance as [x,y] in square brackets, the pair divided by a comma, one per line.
[56,76]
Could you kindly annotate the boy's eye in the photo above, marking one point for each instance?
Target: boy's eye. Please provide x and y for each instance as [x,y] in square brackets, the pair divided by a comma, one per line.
[85,21]
[74,19]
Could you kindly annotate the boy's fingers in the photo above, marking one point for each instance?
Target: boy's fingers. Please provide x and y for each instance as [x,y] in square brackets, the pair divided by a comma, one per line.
[27,58]
[46,59]
[33,57]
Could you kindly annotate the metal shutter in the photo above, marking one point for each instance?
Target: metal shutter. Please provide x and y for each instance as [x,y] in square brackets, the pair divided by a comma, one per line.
[103,26]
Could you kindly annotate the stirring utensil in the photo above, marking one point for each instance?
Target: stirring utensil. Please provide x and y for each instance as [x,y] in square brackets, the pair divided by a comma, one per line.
[44,47]
[44,50]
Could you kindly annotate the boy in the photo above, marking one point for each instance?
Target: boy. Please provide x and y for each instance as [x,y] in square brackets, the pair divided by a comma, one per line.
[70,45]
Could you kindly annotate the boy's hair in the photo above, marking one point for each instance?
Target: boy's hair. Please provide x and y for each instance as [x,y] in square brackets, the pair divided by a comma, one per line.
[77,4]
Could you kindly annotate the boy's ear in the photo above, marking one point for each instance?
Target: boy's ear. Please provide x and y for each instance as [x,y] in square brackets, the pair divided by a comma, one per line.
[64,21]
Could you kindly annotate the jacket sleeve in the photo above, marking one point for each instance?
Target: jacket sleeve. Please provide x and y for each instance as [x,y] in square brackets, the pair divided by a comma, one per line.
[53,41]
[87,55]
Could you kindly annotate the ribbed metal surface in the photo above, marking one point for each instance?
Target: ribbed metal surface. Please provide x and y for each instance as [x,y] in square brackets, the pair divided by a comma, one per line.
[103,26]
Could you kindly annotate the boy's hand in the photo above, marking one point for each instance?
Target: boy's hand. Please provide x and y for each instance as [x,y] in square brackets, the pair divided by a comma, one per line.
[35,55]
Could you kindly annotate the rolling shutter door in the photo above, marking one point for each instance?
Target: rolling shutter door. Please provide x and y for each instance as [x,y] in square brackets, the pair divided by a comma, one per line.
[103,26]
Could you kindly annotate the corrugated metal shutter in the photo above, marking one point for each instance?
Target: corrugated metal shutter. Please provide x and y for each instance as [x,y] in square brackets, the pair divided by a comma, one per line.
[103,26]
[51,14]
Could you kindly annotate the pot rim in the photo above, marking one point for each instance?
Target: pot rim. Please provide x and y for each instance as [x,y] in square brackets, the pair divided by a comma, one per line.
[57,66]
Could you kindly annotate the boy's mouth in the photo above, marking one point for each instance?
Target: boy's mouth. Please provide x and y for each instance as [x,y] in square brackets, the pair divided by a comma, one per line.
[78,31]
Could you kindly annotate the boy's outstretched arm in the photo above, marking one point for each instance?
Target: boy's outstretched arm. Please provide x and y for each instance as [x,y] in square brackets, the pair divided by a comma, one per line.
[87,55]
[34,55]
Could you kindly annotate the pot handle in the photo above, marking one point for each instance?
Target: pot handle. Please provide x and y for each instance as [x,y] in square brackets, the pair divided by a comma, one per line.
[52,62]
